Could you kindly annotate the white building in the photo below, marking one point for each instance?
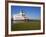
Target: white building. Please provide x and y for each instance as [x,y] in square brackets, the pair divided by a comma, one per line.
[19,17]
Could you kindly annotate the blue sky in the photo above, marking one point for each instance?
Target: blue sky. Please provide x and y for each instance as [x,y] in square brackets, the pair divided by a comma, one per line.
[30,11]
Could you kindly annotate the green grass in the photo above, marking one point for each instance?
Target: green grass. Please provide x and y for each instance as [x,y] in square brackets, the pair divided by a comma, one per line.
[34,25]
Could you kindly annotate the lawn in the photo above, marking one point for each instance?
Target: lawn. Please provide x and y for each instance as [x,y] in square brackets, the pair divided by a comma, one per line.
[34,25]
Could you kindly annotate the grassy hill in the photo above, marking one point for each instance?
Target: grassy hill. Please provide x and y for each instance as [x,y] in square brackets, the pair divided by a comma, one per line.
[31,25]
